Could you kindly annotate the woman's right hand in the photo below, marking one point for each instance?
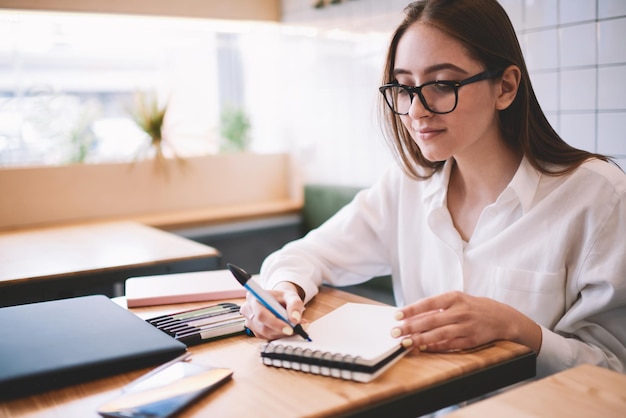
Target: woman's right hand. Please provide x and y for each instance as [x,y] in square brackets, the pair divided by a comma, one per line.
[263,323]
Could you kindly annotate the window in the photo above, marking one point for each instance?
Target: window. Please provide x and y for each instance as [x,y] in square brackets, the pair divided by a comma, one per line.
[68,84]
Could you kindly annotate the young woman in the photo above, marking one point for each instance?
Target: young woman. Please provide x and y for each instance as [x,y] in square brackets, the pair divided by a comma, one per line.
[490,224]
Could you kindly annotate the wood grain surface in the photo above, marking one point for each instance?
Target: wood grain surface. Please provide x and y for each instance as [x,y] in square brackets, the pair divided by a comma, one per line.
[57,252]
[583,391]
[262,391]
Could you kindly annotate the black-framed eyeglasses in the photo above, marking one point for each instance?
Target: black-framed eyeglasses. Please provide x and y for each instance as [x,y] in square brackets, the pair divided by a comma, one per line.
[440,96]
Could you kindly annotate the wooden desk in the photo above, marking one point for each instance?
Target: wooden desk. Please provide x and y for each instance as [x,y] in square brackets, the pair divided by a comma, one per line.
[47,263]
[418,383]
[584,391]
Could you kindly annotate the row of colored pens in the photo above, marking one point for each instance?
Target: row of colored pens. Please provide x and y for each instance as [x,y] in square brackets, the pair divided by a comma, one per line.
[203,324]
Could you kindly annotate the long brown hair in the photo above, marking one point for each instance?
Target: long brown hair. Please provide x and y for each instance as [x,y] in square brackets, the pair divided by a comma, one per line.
[484,29]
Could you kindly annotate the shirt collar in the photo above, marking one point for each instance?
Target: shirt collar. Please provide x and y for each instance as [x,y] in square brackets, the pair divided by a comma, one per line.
[524,184]
[436,188]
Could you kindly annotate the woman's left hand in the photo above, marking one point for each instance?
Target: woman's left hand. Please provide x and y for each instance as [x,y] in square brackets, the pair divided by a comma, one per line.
[456,321]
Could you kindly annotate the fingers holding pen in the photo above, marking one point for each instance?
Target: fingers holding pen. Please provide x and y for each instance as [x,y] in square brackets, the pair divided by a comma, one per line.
[291,298]
[260,320]
[288,296]
[264,323]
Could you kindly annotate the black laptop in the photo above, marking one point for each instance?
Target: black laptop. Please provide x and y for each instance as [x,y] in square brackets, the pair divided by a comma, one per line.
[48,345]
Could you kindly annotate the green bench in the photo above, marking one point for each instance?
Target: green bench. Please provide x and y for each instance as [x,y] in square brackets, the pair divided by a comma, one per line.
[320,203]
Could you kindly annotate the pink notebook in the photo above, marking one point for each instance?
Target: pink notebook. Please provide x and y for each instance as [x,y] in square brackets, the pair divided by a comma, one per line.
[182,287]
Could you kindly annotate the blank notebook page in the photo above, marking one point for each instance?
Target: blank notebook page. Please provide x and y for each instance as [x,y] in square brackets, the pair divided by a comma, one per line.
[353,329]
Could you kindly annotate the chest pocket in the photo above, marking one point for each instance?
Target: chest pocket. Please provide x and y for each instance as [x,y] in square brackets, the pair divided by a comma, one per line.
[538,295]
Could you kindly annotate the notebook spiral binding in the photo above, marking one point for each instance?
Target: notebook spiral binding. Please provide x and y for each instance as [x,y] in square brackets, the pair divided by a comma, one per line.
[311,361]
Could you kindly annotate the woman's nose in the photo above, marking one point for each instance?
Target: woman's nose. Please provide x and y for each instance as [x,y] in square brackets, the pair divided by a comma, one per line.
[417,109]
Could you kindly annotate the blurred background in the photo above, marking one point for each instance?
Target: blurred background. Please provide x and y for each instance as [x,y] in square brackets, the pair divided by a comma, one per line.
[292,76]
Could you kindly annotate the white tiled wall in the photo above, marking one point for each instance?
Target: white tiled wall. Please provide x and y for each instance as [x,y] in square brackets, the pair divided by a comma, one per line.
[575,52]
[579,46]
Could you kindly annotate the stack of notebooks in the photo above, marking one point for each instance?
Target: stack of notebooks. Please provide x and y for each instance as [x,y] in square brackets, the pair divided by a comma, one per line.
[353,342]
[197,286]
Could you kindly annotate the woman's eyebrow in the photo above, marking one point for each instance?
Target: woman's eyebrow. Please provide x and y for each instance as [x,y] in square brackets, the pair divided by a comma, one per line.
[444,66]
[432,69]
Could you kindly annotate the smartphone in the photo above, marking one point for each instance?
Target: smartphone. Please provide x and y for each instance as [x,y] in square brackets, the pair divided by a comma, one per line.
[165,391]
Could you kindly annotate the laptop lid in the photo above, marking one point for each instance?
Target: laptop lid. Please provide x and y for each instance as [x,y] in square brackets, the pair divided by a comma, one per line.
[47,345]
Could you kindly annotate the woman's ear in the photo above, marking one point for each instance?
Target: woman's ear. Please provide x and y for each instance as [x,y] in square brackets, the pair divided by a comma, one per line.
[508,86]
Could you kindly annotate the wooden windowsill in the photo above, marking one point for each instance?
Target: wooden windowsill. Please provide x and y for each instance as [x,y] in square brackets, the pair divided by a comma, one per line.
[209,189]
[176,220]
[218,215]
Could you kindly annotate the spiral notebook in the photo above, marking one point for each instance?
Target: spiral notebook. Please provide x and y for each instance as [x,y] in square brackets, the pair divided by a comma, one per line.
[353,342]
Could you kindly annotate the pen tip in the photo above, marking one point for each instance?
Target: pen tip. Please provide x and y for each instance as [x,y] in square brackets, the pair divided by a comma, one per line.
[301,332]
[237,271]
[240,274]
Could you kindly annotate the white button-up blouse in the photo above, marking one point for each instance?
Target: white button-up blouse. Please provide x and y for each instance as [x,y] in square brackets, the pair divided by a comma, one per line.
[553,247]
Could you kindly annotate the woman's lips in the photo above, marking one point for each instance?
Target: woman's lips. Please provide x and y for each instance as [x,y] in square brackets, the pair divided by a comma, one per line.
[428,133]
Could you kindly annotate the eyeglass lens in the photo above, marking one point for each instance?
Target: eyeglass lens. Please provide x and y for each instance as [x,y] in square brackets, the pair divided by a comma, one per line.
[436,97]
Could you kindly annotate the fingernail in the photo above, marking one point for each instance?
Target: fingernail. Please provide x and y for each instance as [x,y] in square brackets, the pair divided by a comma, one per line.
[399,315]
[395,333]
[288,331]
[296,316]
[423,347]
[407,342]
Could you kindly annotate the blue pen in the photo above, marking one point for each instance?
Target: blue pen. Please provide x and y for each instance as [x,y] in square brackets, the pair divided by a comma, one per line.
[265,298]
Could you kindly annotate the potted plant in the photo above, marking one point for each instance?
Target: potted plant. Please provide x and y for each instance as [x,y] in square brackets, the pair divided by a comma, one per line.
[234,128]
[150,115]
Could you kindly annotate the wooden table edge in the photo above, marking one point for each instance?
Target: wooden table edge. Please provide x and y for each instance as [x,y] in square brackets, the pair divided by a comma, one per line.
[455,390]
